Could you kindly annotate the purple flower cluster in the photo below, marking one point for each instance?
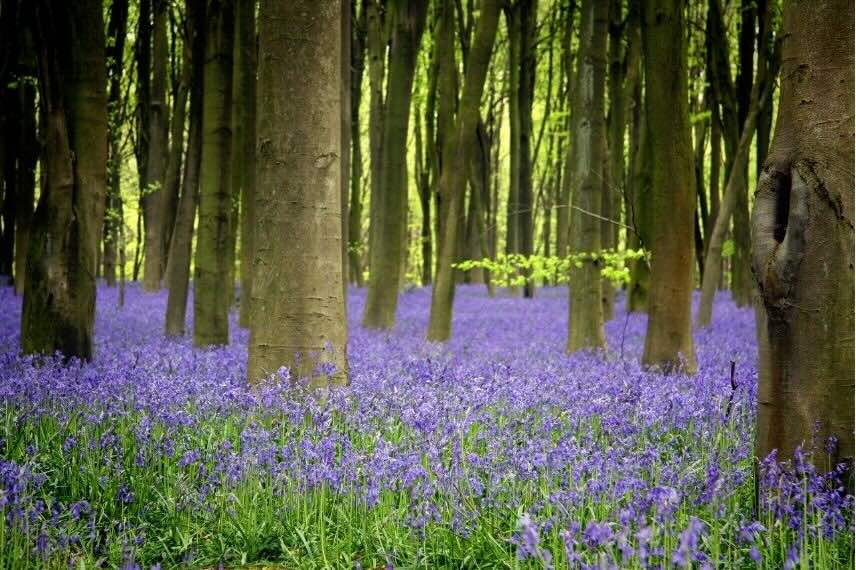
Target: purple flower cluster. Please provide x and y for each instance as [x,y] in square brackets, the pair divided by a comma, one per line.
[610,462]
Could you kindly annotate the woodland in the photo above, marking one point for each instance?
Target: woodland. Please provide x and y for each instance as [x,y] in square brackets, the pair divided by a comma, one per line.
[426,284]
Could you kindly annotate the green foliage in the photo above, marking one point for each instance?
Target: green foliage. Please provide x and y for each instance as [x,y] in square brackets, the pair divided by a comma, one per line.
[514,269]
[728,248]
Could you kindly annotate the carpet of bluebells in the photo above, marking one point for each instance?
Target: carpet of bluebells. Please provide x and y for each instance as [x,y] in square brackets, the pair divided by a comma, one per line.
[494,451]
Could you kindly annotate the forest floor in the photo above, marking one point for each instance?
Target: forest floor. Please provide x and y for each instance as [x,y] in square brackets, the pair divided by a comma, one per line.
[495,450]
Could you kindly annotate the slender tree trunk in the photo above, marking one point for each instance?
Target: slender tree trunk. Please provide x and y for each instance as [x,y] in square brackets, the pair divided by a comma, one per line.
[180,246]
[802,235]
[585,323]
[246,79]
[456,159]
[388,250]
[563,214]
[59,294]
[298,316]
[152,198]
[143,58]
[742,283]
[763,85]
[355,210]
[117,30]
[669,341]
[212,289]
[172,185]
[615,128]
[376,47]
[27,148]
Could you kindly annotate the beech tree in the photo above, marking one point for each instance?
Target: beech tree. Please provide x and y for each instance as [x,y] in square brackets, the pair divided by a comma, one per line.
[389,205]
[298,315]
[668,340]
[213,289]
[59,292]
[585,322]
[802,240]
[456,155]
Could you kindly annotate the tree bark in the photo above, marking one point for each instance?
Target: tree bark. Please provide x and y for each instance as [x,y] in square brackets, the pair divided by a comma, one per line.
[246,151]
[456,157]
[212,289]
[180,246]
[615,129]
[585,322]
[298,316]
[388,250]
[802,235]
[355,209]
[668,340]
[59,294]
[563,213]
[152,198]
[117,30]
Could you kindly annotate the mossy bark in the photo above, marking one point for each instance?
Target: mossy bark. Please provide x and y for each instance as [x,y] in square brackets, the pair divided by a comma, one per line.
[152,198]
[585,322]
[212,287]
[388,250]
[668,340]
[456,157]
[180,248]
[59,294]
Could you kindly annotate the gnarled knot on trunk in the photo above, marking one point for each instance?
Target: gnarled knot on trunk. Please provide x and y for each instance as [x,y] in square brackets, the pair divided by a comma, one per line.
[779,220]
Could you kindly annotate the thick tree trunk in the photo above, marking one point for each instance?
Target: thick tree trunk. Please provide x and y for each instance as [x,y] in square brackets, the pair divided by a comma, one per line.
[669,341]
[212,289]
[456,157]
[298,316]
[585,322]
[152,198]
[802,234]
[59,295]
[245,147]
[389,248]
[180,246]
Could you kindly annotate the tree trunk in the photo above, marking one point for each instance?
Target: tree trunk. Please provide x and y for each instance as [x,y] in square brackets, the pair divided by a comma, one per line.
[152,198]
[59,294]
[761,89]
[802,234]
[170,193]
[563,212]
[585,322]
[298,316]
[376,47]
[456,157]
[117,30]
[180,246]
[616,126]
[669,341]
[388,250]
[212,289]
[355,210]
[246,152]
